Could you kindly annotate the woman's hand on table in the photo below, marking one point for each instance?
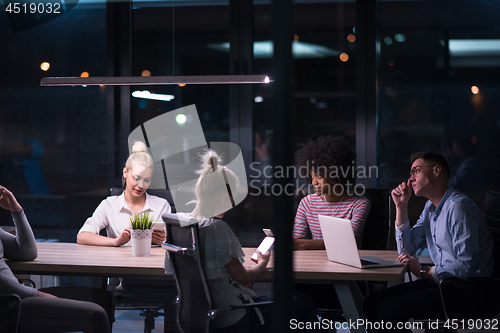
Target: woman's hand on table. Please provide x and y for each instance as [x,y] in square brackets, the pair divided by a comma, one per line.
[124,237]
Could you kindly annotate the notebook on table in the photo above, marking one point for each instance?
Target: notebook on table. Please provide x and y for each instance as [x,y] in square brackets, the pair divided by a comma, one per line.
[341,247]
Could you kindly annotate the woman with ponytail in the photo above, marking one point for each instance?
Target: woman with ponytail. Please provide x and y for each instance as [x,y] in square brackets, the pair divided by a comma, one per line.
[113,213]
[223,257]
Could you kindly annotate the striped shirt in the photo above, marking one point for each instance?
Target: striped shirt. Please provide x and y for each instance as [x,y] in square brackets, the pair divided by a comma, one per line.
[356,209]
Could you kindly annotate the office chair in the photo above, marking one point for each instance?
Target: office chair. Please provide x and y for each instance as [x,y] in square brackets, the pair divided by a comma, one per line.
[482,294]
[194,302]
[7,304]
[377,231]
[150,296]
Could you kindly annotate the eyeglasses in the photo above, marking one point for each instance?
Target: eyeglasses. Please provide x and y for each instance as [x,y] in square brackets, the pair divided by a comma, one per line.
[414,170]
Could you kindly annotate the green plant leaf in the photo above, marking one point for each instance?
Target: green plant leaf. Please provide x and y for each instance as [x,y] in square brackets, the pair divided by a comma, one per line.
[141,221]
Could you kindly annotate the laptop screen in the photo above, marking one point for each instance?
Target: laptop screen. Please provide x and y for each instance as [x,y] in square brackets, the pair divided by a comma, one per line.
[339,239]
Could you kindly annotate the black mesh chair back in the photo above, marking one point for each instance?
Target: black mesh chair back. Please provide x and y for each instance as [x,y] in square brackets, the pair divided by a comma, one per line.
[8,304]
[193,300]
[377,231]
[195,312]
[492,218]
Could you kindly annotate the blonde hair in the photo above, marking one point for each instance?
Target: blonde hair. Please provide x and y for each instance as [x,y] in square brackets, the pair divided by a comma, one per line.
[212,195]
[140,155]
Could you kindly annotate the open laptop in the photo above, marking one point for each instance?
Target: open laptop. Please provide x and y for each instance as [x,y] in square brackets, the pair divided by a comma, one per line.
[341,245]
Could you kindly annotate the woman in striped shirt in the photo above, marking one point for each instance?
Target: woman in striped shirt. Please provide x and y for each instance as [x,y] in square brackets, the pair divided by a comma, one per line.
[331,163]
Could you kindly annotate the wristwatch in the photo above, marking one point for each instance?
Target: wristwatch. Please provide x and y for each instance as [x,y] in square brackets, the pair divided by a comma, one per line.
[424,270]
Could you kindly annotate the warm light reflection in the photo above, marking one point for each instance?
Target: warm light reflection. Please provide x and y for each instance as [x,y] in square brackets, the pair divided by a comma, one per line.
[182,84]
[351,38]
[146,73]
[45,66]
[295,38]
[473,140]
[84,74]
[474,90]
[344,57]
[390,63]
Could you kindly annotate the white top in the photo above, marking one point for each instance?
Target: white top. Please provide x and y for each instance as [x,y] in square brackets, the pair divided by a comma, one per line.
[219,246]
[113,213]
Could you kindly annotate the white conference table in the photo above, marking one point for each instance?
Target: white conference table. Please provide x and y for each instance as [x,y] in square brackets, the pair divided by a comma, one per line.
[310,266]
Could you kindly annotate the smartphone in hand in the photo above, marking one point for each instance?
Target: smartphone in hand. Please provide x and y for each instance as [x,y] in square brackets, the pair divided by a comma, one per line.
[160,226]
[265,245]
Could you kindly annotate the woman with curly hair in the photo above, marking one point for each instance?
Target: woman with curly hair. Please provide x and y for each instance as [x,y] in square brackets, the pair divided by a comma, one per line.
[331,164]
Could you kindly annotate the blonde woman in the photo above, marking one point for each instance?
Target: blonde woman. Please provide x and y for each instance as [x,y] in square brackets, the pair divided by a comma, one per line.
[113,213]
[223,257]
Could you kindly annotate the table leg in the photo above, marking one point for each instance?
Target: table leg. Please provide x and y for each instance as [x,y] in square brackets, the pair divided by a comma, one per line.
[351,300]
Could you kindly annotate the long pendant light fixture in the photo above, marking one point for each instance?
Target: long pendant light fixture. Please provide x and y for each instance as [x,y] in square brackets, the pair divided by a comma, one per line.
[153,80]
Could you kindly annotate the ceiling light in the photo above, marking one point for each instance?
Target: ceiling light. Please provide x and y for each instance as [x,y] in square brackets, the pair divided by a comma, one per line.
[153,80]
[474,47]
[264,49]
[148,95]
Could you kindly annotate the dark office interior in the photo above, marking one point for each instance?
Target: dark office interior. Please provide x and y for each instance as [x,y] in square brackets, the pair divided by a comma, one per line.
[390,77]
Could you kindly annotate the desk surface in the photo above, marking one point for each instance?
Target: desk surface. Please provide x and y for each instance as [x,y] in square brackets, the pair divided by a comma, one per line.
[86,260]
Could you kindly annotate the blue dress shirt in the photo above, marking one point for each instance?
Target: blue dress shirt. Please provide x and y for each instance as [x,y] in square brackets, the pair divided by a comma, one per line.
[459,242]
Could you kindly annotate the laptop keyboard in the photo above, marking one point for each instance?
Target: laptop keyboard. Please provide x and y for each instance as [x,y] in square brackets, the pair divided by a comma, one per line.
[368,263]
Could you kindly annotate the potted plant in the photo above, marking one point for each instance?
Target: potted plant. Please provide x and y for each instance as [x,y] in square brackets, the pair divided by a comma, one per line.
[141,231]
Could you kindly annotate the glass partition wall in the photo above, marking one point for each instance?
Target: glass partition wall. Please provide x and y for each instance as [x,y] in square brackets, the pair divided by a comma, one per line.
[53,144]
[437,90]
[434,73]
[70,142]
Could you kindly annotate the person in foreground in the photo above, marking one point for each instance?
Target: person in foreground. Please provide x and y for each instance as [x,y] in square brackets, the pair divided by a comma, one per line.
[331,165]
[113,213]
[452,227]
[37,308]
[223,257]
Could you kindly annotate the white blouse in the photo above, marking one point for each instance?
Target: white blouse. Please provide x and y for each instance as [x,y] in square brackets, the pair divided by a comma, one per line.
[113,213]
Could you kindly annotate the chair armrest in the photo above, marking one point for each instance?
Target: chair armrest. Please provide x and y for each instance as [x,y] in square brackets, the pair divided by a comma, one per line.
[244,305]
[27,282]
[11,296]
[177,249]
[213,313]
[250,305]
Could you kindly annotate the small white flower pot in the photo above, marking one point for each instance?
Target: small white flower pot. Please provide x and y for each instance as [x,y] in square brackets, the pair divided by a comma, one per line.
[141,242]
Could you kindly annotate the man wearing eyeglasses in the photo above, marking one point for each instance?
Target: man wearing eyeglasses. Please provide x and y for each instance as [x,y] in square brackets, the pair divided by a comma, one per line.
[451,226]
